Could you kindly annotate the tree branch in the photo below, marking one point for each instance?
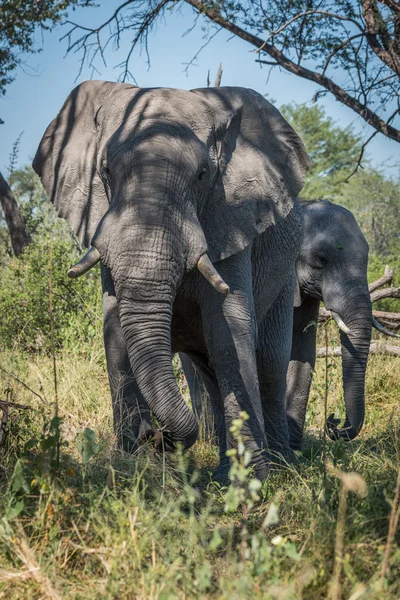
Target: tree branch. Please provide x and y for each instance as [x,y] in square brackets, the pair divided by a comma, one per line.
[323,13]
[339,93]
[374,27]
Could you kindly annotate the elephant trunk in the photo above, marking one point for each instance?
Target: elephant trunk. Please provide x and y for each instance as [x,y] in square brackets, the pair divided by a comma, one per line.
[355,350]
[147,331]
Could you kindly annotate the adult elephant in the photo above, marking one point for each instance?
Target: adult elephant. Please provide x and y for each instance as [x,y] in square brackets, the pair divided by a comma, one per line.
[185,197]
[331,267]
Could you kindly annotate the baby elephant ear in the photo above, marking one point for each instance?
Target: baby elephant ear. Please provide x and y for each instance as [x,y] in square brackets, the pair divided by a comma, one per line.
[262,166]
[66,158]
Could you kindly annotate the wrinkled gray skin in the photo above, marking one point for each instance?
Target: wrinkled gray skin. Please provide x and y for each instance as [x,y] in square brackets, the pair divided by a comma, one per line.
[332,267]
[153,179]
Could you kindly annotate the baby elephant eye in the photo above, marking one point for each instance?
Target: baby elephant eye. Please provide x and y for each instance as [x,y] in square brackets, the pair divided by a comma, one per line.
[203,173]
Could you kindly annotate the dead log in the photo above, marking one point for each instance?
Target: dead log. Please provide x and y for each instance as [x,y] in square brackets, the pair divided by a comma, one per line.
[390,292]
[387,277]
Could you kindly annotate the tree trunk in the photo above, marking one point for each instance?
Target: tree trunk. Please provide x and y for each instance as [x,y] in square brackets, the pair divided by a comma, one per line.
[15,224]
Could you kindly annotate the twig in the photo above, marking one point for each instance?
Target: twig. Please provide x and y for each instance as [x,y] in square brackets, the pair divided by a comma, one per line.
[393,524]
[351,482]
[53,351]
[360,156]
[218,78]
[23,384]
[324,432]
[7,404]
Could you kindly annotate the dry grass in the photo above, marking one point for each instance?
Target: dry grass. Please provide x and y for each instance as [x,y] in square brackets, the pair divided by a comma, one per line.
[153,527]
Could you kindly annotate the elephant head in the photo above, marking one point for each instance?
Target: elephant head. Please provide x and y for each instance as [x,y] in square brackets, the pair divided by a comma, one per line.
[158,182]
[332,266]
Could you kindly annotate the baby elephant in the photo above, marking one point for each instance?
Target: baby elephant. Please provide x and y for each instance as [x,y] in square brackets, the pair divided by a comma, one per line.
[331,267]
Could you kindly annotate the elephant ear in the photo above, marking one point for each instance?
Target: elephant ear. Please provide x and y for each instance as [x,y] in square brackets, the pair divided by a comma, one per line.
[67,155]
[262,164]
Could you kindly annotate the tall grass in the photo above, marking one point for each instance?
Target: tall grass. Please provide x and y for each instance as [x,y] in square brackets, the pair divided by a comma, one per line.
[156,527]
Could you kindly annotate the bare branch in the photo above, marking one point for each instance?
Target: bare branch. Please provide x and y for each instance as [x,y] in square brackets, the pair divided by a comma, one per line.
[391,292]
[218,78]
[323,13]
[387,277]
[373,349]
[375,27]
[340,94]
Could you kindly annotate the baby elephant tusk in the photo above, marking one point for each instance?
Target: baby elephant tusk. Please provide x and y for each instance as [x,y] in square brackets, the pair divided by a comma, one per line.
[341,324]
[88,261]
[382,329]
[207,269]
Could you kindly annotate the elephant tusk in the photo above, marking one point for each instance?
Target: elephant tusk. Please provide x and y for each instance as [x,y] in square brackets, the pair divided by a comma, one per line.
[382,329]
[341,324]
[88,261]
[208,270]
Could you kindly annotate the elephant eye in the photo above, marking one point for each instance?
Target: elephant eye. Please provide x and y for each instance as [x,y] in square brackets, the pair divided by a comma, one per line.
[203,173]
[322,260]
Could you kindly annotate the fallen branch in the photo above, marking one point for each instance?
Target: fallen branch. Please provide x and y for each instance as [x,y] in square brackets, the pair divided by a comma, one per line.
[390,292]
[390,320]
[373,349]
[387,277]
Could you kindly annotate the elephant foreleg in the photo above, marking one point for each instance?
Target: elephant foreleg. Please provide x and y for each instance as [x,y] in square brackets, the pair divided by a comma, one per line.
[273,355]
[229,328]
[301,368]
[130,410]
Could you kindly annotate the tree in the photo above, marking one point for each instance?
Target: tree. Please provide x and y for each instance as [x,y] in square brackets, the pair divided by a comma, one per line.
[15,224]
[19,21]
[372,196]
[349,48]
[333,150]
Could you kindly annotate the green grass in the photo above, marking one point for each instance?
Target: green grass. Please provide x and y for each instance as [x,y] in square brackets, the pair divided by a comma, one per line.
[155,527]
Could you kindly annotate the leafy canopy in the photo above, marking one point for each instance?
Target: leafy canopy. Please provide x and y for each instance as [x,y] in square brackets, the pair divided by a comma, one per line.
[19,23]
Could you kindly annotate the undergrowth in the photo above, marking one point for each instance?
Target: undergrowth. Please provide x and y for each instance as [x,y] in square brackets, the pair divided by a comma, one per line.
[83,520]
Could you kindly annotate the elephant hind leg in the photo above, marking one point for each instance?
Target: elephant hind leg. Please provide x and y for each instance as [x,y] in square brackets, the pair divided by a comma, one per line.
[216,424]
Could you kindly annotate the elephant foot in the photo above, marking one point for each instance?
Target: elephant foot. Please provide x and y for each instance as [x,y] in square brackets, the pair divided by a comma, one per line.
[221,475]
[281,458]
[261,467]
[295,434]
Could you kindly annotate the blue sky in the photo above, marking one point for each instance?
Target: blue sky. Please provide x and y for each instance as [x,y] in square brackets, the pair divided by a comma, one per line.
[41,87]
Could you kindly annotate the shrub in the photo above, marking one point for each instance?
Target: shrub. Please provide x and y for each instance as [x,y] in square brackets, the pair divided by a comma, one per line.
[24,298]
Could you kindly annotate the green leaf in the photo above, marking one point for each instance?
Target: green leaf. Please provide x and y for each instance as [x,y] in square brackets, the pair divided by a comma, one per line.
[216,540]
[13,510]
[87,445]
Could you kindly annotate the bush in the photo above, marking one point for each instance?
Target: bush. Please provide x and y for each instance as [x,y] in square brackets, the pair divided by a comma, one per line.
[24,298]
